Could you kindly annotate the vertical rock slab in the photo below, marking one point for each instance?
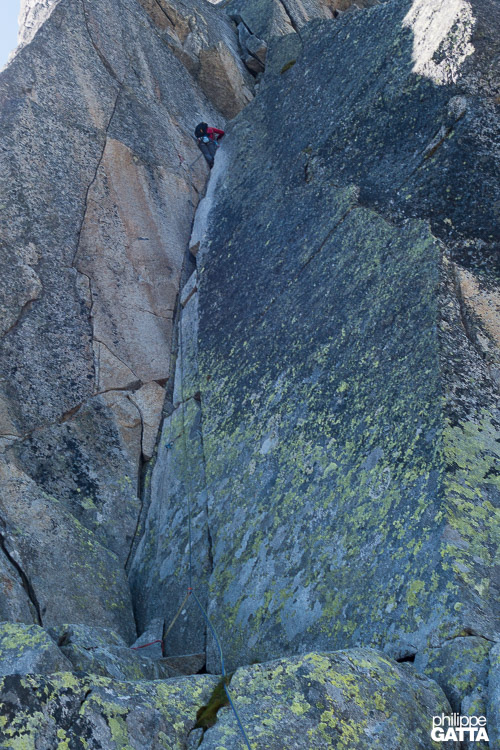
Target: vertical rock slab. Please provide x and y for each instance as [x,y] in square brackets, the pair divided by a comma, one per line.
[98,189]
[350,421]
[66,572]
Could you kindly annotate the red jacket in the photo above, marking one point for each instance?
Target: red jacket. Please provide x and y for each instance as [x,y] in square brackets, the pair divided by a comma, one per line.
[215,134]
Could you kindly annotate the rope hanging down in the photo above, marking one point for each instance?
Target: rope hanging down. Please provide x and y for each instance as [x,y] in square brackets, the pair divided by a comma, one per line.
[191,591]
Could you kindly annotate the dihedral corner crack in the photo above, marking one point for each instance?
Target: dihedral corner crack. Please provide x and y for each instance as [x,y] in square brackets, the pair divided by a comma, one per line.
[100,55]
[26,584]
[162,9]
[293,23]
[94,177]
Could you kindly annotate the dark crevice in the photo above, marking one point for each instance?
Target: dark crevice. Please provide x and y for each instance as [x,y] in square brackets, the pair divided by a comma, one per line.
[22,314]
[102,58]
[293,23]
[464,317]
[408,658]
[439,140]
[74,718]
[430,150]
[206,716]
[465,633]
[70,413]
[210,548]
[144,472]
[162,9]
[147,467]
[94,178]
[24,580]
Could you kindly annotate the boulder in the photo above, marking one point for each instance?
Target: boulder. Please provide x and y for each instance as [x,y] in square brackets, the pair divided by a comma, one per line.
[28,649]
[104,713]
[65,571]
[356,698]
[100,651]
[459,667]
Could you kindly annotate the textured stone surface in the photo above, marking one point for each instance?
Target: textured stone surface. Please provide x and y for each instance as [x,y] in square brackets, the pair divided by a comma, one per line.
[102,652]
[14,600]
[159,574]
[459,666]
[269,18]
[149,400]
[98,712]
[67,573]
[203,39]
[189,289]
[347,501]
[335,436]
[348,699]
[351,699]
[97,115]
[186,383]
[27,649]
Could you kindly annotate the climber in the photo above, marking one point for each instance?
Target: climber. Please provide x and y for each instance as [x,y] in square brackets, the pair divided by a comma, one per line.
[208,141]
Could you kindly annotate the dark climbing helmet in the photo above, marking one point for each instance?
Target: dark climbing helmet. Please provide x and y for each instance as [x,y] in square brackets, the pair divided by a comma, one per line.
[201,130]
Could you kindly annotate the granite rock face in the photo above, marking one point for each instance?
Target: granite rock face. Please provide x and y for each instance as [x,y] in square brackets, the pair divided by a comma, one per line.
[32,14]
[28,649]
[349,699]
[160,572]
[98,712]
[270,18]
[346,343]
[203,39]
[100,177]
[326,476]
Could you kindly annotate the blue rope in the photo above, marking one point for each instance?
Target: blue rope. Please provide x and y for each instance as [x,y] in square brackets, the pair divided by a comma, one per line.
[237,717]
[190,545]
[207,618]
[213,632]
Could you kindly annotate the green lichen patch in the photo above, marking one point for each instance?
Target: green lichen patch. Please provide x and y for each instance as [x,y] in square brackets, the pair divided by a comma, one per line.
[349,699]
[287,66]
[28,648]
[67,711]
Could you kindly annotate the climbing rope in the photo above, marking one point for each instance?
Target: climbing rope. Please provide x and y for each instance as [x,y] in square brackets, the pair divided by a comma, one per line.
[191,591]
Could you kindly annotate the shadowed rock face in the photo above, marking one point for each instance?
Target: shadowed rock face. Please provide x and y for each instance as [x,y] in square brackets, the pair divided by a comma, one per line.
[270,18]
[349,408]
[97,114]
